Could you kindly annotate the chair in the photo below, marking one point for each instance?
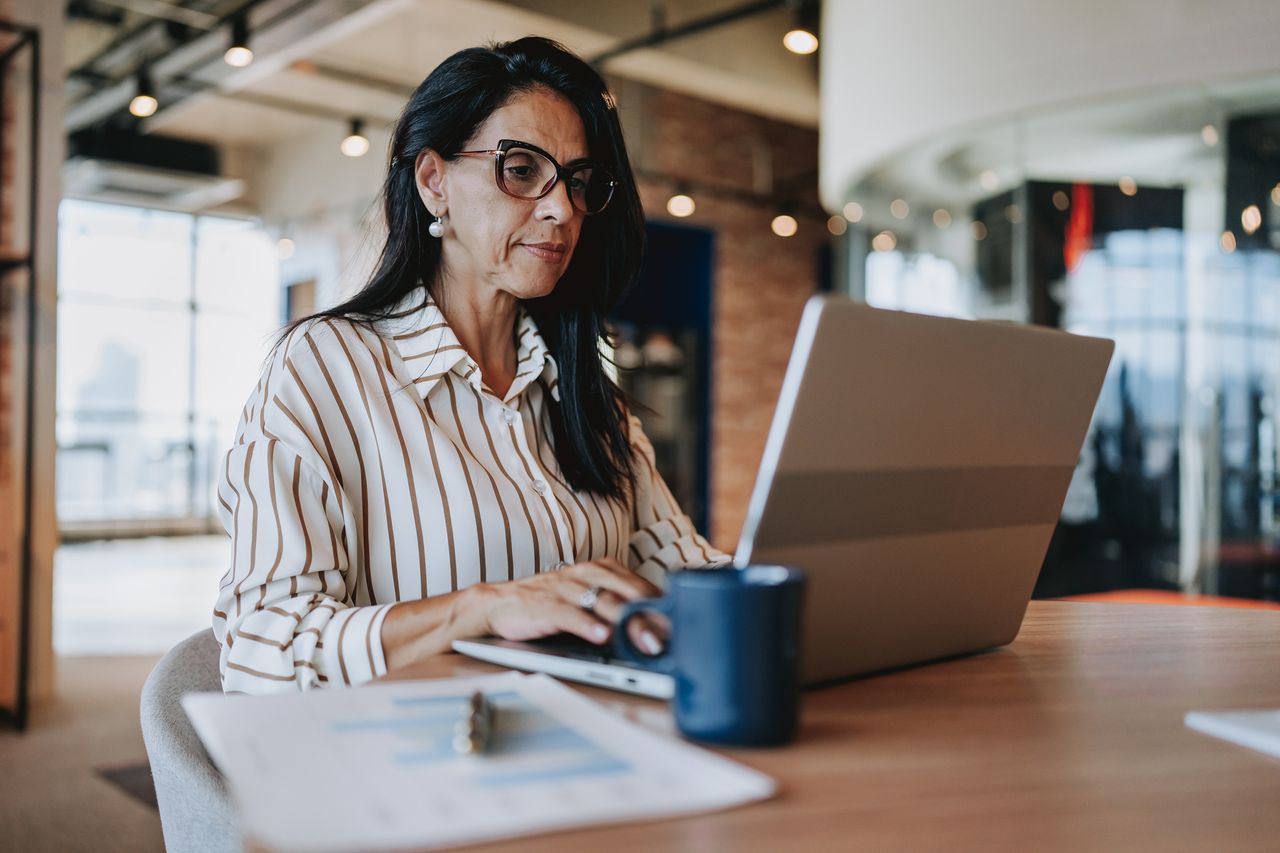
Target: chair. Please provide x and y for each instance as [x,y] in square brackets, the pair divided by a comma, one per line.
[195,809]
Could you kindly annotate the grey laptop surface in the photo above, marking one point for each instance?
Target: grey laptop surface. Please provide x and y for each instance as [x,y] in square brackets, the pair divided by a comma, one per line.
[915,469]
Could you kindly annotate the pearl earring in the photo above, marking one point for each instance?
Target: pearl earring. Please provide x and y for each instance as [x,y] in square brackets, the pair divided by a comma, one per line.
[436,229]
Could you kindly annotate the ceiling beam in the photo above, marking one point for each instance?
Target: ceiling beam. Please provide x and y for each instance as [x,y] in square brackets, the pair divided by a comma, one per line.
[660,34]
[166,12]
[280,23]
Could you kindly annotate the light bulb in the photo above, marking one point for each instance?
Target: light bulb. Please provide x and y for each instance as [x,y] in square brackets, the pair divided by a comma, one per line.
[885,241]
[355,145]
[1251,218]
[143,105]
[238,56]
[800,41]
[681,205]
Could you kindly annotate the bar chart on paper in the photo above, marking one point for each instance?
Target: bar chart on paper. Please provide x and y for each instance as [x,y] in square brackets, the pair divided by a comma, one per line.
[529,745]
[383,759]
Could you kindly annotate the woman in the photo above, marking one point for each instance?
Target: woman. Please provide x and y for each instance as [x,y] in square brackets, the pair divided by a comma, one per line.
[443,455]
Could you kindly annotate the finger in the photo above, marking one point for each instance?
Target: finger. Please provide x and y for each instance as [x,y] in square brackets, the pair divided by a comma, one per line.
[614,565]
[582,623]
[608,606]
[625,583]
[644,636]
[643,630]
[655,624]
[646,631]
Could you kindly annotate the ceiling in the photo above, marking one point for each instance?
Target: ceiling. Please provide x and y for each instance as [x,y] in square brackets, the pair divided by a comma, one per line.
[1155,138]
[318,63]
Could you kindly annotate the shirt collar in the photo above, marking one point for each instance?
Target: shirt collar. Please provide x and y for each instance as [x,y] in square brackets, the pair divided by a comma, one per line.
[533,358]
[430,349]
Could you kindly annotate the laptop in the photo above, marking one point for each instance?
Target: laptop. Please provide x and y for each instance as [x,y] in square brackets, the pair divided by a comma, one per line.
[915,469]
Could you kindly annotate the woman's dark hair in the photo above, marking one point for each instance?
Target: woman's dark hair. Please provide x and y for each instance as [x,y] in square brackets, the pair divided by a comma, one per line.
[589,423]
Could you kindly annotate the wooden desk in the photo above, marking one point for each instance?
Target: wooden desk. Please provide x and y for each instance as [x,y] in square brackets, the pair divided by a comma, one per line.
[1069,739]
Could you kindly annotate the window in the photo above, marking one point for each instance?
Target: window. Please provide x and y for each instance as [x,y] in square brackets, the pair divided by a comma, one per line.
[164,319]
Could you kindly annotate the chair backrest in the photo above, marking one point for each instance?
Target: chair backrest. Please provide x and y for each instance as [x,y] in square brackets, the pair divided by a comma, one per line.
[195,810]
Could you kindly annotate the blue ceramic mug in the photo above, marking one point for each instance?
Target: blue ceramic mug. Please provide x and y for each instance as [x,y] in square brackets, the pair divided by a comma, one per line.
[733,649]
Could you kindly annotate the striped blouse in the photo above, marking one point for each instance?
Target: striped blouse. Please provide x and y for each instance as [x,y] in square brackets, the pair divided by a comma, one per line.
[375,466]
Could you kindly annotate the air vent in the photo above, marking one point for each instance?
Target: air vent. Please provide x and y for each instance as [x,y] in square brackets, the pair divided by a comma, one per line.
[155,171]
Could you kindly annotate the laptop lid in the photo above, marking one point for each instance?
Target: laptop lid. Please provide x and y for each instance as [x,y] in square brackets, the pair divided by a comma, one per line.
[915,468]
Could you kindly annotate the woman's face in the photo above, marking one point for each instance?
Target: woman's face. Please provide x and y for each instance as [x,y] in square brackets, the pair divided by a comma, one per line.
[492,240]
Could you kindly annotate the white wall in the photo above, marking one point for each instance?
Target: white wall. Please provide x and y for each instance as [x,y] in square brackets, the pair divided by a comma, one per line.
[327,203]
[895,74]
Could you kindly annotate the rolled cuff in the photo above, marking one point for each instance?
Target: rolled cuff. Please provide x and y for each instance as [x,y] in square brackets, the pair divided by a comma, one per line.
[352,645]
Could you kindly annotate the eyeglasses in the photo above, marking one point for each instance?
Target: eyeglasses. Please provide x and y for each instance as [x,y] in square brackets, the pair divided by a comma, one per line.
[526,171]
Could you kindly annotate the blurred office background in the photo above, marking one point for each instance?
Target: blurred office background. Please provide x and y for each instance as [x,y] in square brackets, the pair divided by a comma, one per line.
[205,170]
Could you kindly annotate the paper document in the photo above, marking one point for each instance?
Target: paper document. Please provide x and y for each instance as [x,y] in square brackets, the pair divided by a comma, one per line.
[1258,730]
[375,768]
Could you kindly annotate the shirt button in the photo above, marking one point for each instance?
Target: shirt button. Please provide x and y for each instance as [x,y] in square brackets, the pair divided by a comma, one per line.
[540,486]
[509,417]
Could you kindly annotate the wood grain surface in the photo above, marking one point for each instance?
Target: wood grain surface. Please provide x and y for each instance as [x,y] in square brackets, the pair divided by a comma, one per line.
[1071,738]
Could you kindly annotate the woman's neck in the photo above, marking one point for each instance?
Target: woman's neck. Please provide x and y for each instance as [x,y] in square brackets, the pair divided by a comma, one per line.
[484,322]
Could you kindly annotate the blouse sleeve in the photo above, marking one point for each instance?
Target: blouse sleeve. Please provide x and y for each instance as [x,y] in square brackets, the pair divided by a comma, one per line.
[663,537]
[285,615]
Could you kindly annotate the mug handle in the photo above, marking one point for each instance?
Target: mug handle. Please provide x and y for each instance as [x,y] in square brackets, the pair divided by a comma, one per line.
[622,641]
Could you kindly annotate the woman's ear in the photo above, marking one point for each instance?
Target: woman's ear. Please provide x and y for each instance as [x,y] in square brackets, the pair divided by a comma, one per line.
[428,175]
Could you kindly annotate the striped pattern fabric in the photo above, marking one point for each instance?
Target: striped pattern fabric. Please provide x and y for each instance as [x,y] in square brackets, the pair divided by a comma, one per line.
[375,466]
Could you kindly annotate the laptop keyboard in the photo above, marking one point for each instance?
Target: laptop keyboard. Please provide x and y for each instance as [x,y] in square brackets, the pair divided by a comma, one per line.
[572,646]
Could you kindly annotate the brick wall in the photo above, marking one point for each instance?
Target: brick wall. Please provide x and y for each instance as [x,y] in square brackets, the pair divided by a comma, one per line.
[761,280]
[6,303]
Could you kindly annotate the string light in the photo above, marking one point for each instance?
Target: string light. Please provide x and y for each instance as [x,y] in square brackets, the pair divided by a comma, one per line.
[1128,186]
[837,225]
[1209,134]
[1061,200]
[802,38]
[784,225]
[885,241]
[941,218]
[356,144]
[681,205]
[800,41]
[853,212]
[899,208]
[1251,218]
[1227,242]
[239,55]
[144,103]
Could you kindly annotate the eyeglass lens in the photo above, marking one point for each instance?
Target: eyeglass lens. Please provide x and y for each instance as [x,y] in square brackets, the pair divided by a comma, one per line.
[528,174]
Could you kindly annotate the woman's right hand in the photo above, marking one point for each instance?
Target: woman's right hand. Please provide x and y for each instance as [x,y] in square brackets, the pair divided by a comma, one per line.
[549,603]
